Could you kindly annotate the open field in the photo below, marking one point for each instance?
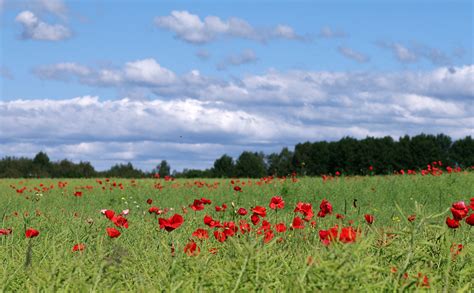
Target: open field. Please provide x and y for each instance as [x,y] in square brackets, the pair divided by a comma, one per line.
[391,253]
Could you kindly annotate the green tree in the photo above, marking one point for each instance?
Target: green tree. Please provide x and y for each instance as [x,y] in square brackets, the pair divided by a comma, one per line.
[462,152]
[280,164]
[41,165]
[164,169]
[223,167]
[250,165]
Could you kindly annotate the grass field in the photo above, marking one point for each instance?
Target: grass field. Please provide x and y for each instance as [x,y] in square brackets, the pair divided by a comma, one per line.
[391,253]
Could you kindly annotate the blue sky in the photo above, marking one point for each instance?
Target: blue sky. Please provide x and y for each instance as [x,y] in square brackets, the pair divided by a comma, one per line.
[143,81]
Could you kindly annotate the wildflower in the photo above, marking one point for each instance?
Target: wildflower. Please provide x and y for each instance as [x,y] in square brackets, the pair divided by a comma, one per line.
[242,211]
[470,220]
[191,249]
[171,223]
[260,211]
[369,218]
[31,233]
[452,223]
[79,247]
[5,231]
[113,233]
[277,203]
[280,227]
[201,233]
[297,223]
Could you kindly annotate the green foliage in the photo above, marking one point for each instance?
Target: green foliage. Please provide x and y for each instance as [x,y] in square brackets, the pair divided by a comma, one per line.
[250,165]
[140,259]
[164,169]
[223,167]
[349,156]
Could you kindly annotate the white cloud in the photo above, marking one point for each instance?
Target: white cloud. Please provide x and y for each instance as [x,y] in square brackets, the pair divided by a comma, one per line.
[199,118]
[56,7]
[148,71]
[244,57]
[352,54]
[36,29]
[415,52]
[144,72]
[190,28]
[329,33]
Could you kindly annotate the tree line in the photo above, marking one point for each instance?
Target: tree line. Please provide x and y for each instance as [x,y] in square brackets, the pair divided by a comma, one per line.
[348,156]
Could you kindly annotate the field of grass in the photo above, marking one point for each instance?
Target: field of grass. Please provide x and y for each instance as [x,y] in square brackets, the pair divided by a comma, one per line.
[392,253]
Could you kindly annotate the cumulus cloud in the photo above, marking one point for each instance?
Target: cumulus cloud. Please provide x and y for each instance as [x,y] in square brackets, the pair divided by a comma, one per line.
[244,57]
[192,29]
[194,119]
[352,54]
[36,29]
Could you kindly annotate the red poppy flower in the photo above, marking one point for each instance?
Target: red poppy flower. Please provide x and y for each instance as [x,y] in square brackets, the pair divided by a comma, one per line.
[242,211]
[120,221]
[259,210]
[220,236]
[31,233]
[211,222]
[348,235]
[79,247]
[412,218]
[277,203]
[339,216]
[201,233]
[197,205]
[470,219]
[452,223]
[149,201]
[324,208]
[113,233]
[280,227]
[244,227]
[459,214]
[78,193]
[369,218]
[306,209]
[5,231]
[109,214]
[268,236]
[191,249]
[255,219]
[171,223]
[460,205]
[230,228]
[237,188]
[205,201]
[297,223]
[155,210]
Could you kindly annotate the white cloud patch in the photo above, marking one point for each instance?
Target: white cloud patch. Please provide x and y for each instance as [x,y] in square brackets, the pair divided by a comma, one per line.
[352,54]
[330,33]
[244,57]
[194,118]
[56,7]
[144,72]
[192,29]
[415,52]
[36,29]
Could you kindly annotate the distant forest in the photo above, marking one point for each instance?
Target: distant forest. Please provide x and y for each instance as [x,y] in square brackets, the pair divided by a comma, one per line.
[348,156]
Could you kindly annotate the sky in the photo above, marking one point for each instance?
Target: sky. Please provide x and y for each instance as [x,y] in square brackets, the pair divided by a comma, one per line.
[188,81]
